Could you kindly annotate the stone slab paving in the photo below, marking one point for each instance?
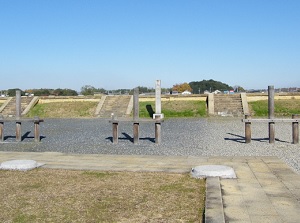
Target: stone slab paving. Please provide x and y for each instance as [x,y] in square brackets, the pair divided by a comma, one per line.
[265,190]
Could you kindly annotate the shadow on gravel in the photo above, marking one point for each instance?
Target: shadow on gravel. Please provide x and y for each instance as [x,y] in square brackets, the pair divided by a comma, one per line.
[8,137]
[109,138]
[24,136]
[241,139]
[129,138]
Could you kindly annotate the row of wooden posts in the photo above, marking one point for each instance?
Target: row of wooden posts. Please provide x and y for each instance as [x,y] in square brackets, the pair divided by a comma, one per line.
[137,121]
[158,120]
[36,122]
[271,121]
[115,122]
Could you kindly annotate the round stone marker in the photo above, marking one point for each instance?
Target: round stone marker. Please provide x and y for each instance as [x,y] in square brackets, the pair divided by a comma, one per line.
[213,171]
[19,165]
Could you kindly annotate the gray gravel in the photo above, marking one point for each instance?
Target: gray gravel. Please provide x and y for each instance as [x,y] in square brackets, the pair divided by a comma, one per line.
[180,137]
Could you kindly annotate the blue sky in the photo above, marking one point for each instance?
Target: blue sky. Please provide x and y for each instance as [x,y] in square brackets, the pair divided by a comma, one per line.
[116,44]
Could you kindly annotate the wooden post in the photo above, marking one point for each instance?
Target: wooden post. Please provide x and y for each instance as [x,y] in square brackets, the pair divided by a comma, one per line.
[295,132]
[271,109]
[36,129]
[18,131]
[1,131]
[157,132]
[18,104]
[247,130]
[136,104]
[115,132]
[135,132]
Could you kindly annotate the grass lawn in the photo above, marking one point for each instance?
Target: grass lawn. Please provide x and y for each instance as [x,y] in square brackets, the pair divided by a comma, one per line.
[169,109]
[47,195]
[64,110]
[282,108]
[175,108]
[87,109]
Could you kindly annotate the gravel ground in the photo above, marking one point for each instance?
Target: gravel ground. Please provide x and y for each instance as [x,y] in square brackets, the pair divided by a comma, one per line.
[181,137]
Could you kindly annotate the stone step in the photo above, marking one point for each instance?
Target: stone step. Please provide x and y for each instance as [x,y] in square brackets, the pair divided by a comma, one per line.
[10,109]
[116,105]
[228,105]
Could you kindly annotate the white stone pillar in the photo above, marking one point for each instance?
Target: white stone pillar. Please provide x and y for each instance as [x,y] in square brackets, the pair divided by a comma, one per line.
[158,114]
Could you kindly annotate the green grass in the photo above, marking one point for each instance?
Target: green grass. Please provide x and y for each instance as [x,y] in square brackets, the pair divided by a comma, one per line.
[37,110]
[64,110]
[175,109]
[282,108]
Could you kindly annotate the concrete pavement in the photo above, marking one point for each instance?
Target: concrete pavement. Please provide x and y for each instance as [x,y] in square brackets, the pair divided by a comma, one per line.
[266,189]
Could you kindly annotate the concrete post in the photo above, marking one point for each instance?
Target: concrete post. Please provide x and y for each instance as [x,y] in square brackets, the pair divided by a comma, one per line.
[158,100]
[158,97]
[211,104]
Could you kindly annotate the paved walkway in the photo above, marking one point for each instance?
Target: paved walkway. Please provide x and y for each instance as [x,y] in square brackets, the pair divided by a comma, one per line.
[266,189]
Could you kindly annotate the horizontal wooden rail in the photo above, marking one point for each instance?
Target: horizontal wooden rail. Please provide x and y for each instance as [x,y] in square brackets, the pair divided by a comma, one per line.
[270,120]
[21,120]
[137,120]
[295,127]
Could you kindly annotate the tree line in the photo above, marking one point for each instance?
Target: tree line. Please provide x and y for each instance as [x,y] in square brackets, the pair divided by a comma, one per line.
[195,87]
[41,92]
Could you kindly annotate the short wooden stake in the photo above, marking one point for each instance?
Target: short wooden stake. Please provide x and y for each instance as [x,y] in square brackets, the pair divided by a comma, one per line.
[247,130]
[136,132]
[271,132]
[37,131]
[1,131]
[18,131]
[115,132]
[157,132]
[295,126]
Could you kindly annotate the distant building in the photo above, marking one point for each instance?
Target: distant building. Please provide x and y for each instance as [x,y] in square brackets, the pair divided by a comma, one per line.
[186,92]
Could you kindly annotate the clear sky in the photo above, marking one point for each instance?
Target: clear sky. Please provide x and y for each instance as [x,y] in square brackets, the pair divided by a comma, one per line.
[116,44]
